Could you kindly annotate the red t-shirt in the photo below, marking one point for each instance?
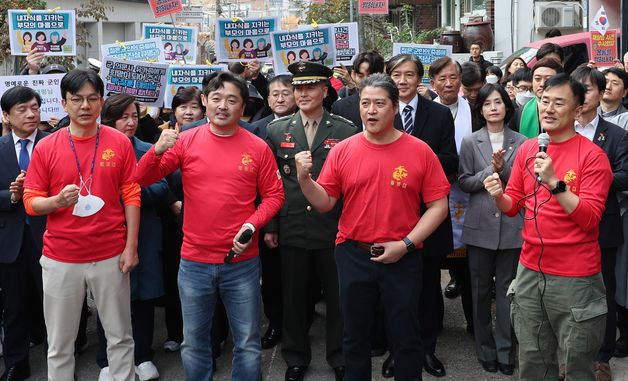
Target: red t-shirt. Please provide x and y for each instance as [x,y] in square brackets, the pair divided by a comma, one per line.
[73,239]
[222,175]
[382,186]
[570,240]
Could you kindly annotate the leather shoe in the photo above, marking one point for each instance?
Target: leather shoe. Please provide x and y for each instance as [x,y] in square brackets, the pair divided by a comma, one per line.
[452,290]
[507,369]
[489,366]
[433,366]
[295,373]
[16,372]
[621,347]
[271,338]
[388,367]
[339,373]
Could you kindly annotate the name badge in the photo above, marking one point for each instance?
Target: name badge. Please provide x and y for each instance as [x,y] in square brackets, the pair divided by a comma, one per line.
[287,145]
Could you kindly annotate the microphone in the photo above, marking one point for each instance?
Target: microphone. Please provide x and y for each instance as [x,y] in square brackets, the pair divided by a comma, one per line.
[244,238]
[543,139]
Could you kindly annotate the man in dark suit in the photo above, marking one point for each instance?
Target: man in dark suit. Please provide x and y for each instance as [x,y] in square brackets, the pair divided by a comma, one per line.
[20,237]
[614,141]
[364,64]
[306,238]
[432,123]
[281,102]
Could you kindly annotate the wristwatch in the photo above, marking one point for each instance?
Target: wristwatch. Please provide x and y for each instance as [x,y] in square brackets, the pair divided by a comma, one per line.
[560,187]
[409,244]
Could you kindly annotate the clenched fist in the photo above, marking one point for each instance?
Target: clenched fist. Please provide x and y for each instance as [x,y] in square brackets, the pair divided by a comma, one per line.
[493,185]
[304,164]
[68,196]
[167,139]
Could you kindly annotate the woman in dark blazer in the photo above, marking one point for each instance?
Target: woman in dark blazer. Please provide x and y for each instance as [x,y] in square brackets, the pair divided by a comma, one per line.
[493,240]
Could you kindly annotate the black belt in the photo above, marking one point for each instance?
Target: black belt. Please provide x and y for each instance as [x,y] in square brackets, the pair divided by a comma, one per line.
[374,250]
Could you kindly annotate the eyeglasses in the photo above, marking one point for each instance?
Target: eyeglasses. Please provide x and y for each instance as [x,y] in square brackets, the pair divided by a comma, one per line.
[523,88]
[78,100]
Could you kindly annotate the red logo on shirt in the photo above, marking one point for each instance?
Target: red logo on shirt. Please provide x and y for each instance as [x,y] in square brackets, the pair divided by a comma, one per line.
[107,155]
[569,178]
[246,163]
[399,174]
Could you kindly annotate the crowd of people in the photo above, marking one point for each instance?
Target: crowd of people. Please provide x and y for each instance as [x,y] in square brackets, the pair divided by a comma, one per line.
[350,186]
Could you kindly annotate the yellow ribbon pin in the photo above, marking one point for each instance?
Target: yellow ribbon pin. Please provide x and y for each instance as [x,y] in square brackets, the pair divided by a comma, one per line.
[236,19]
[121,44]
[314,24]
[28,12]
[207,62]
[54,9]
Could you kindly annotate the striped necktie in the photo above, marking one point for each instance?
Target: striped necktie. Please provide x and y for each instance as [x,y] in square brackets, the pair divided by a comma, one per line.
[408,124]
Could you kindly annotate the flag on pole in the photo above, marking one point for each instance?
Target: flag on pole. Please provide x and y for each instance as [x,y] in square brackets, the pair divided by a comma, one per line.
[600,21]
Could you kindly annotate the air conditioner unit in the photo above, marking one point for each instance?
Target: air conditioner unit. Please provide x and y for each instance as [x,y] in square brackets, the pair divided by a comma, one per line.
[556,14]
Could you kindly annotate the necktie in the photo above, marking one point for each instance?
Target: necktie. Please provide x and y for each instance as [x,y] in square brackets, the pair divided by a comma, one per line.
[310,132]
[24,159]
[408,125]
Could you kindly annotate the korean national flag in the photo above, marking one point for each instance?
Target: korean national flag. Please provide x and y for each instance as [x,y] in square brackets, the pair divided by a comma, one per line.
[600,21]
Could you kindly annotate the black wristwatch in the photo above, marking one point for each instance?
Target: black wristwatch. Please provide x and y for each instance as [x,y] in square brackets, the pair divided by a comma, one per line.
[560,187]
[409,244]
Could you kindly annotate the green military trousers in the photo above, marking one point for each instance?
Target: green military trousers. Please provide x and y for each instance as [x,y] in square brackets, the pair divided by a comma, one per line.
[572,312]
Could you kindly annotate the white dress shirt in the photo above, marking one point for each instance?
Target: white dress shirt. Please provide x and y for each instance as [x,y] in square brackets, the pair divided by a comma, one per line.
[587,131]
[414,103]
[29,146]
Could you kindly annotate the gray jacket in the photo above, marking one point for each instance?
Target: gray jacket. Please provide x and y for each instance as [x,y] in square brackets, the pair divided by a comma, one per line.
[484,225]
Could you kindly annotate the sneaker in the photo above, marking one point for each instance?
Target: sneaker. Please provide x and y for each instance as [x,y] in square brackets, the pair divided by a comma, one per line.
[104,374]
[171,346]
[147,371]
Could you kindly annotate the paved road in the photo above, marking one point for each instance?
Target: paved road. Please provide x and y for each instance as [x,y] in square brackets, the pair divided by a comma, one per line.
[455,349]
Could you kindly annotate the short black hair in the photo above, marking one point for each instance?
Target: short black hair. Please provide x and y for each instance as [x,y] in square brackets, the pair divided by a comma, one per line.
[236,68]
[382,81]
[596,77]
[41,34]
[166,44]
[620,73]
[485,92]
[284,79]
[247,40]
[373,58]
[494,69]
[524,74]
[553,33]
[115,106]
[218,79]
[403,58]
[549,48]
[185,95]
[18,95]
[440,64]
[577,88]
[549,63]
[472,73]
[75,80]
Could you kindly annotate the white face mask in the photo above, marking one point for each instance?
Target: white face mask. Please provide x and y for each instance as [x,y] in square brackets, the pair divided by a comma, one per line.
[525,97]
[491,78]
[87,205]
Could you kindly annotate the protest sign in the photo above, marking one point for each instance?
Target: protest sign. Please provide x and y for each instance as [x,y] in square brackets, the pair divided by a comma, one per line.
[165,7]
[145,81]
[148,50]
[47,86]
[180,76]
[308,44]
[245,39]
[347,41]
[604,47]
[373,7]
[190,15]
[425,52]
[179,41]
[51,32]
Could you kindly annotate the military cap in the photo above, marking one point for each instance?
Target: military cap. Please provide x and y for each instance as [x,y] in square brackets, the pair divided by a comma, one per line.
[305,72]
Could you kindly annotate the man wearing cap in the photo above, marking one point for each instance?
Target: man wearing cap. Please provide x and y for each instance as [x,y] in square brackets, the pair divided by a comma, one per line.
[305,236]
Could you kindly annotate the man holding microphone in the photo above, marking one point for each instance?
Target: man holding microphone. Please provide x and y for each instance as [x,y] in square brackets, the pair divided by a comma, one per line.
[558,295]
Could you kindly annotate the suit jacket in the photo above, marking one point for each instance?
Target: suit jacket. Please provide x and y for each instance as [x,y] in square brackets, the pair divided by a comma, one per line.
[13,216]
[614,141]
[299,224]
[259,127]
[484,225]
[434,125]
[349,108]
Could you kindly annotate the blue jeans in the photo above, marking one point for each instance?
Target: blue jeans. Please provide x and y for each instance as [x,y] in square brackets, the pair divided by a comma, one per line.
[239,287]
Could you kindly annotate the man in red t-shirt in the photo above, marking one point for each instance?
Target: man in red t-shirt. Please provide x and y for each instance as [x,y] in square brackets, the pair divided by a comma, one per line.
[381,230]
[78,178]
[224,169]
[558,296]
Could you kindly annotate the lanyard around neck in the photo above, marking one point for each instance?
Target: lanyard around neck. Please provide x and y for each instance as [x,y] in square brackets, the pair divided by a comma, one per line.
[78,165]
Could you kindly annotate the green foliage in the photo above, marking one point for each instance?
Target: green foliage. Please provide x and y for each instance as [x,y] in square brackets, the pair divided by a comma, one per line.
[330,12]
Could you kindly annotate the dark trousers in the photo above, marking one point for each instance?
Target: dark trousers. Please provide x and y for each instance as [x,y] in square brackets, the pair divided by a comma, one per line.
[271,284]
[298,267]
[460,269]
[609,256]
[143,322]
[622,321]
[21,284]
[363,284]
[431,306]
[171,258]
